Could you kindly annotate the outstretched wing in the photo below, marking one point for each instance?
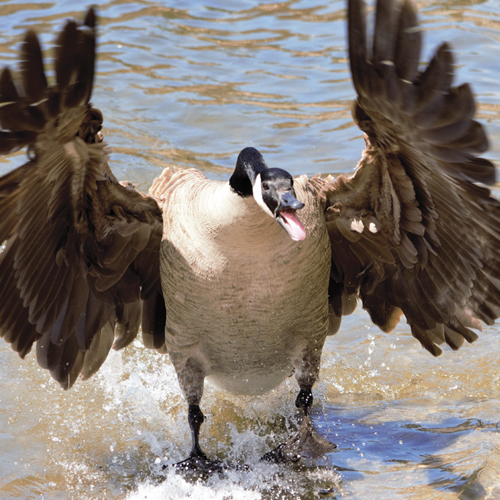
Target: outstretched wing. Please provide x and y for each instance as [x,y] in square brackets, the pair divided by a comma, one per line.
[80,250]
[414,231]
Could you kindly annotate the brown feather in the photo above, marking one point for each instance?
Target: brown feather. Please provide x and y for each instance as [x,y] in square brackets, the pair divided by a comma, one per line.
[416,180]
[72,233]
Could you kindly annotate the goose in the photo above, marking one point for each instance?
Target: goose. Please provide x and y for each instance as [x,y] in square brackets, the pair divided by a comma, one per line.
[241,281]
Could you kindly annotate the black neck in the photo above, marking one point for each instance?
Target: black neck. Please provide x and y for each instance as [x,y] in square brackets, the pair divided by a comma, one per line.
[249,165]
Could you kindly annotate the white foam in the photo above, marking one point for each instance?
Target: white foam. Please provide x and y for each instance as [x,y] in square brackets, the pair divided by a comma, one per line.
[143,387]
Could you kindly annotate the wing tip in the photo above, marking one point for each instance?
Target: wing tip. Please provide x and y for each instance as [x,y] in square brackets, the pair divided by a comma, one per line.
[25,113]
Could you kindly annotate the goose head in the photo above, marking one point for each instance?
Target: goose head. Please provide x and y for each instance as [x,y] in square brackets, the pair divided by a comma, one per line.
[272,189]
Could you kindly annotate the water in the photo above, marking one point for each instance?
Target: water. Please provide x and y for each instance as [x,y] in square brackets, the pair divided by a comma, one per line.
[190,84]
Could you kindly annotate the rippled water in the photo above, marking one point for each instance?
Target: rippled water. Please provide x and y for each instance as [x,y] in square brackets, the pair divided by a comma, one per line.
[190,84]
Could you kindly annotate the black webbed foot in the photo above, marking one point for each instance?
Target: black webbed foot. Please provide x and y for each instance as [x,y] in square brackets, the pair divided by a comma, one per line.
[200,464]
[197,460]
[279,455]
[305,443]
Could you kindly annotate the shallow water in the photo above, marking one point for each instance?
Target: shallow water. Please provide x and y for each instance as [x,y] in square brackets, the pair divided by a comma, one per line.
[190,84]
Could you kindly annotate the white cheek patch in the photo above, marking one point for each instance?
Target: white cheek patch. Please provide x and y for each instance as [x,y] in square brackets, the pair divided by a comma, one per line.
[257,195]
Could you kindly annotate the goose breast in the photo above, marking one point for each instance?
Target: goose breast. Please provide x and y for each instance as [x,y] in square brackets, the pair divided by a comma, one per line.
[242,298]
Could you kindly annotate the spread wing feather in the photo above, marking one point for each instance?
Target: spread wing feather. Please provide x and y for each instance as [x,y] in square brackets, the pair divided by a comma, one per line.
[80,250]
[413,231]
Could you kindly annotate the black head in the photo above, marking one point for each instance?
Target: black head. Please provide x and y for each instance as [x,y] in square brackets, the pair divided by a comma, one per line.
[249,164]
[272,189]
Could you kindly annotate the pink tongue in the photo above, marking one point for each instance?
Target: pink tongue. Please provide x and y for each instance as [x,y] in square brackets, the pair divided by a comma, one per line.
[293,226]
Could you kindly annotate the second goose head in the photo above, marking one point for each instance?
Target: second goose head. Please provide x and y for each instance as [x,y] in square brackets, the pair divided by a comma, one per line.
[272,189]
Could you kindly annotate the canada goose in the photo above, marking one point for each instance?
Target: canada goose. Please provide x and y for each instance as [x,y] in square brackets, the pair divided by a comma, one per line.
[239,300]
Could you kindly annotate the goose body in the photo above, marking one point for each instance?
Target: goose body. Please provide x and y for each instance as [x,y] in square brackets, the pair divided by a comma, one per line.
[241,281]
[228,259]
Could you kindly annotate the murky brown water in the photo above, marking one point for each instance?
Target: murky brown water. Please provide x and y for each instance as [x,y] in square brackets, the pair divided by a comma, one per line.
[190,84]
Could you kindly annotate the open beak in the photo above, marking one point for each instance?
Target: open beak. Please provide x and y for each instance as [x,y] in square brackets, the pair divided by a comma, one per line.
[285,215]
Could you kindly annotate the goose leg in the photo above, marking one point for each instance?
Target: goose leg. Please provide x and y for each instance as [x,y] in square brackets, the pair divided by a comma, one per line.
[191,378]
[195,419]
[306,442]
[304,399]
[197,459]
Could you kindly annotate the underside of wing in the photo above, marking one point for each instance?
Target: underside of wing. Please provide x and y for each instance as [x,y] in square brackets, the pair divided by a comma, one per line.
[79,257]
[415,230]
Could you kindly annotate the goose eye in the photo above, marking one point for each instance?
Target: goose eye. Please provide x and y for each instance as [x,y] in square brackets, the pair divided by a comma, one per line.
[265,186]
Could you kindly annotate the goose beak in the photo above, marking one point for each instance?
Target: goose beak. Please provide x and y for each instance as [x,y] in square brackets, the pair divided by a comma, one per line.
[285,215]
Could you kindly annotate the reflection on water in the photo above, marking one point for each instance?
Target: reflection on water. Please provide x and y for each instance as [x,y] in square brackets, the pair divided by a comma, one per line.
[191,85]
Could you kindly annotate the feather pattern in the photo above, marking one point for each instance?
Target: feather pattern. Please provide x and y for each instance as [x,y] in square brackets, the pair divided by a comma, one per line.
[434,255]
[411,232]
[72,270]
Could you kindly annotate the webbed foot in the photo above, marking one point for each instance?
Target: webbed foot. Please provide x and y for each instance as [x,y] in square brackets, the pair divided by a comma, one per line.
[202,464]
[305,443]
[197,460]
[199,463]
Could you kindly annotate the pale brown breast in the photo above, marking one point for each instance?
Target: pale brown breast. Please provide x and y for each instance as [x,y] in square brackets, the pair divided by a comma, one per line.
[241,296]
